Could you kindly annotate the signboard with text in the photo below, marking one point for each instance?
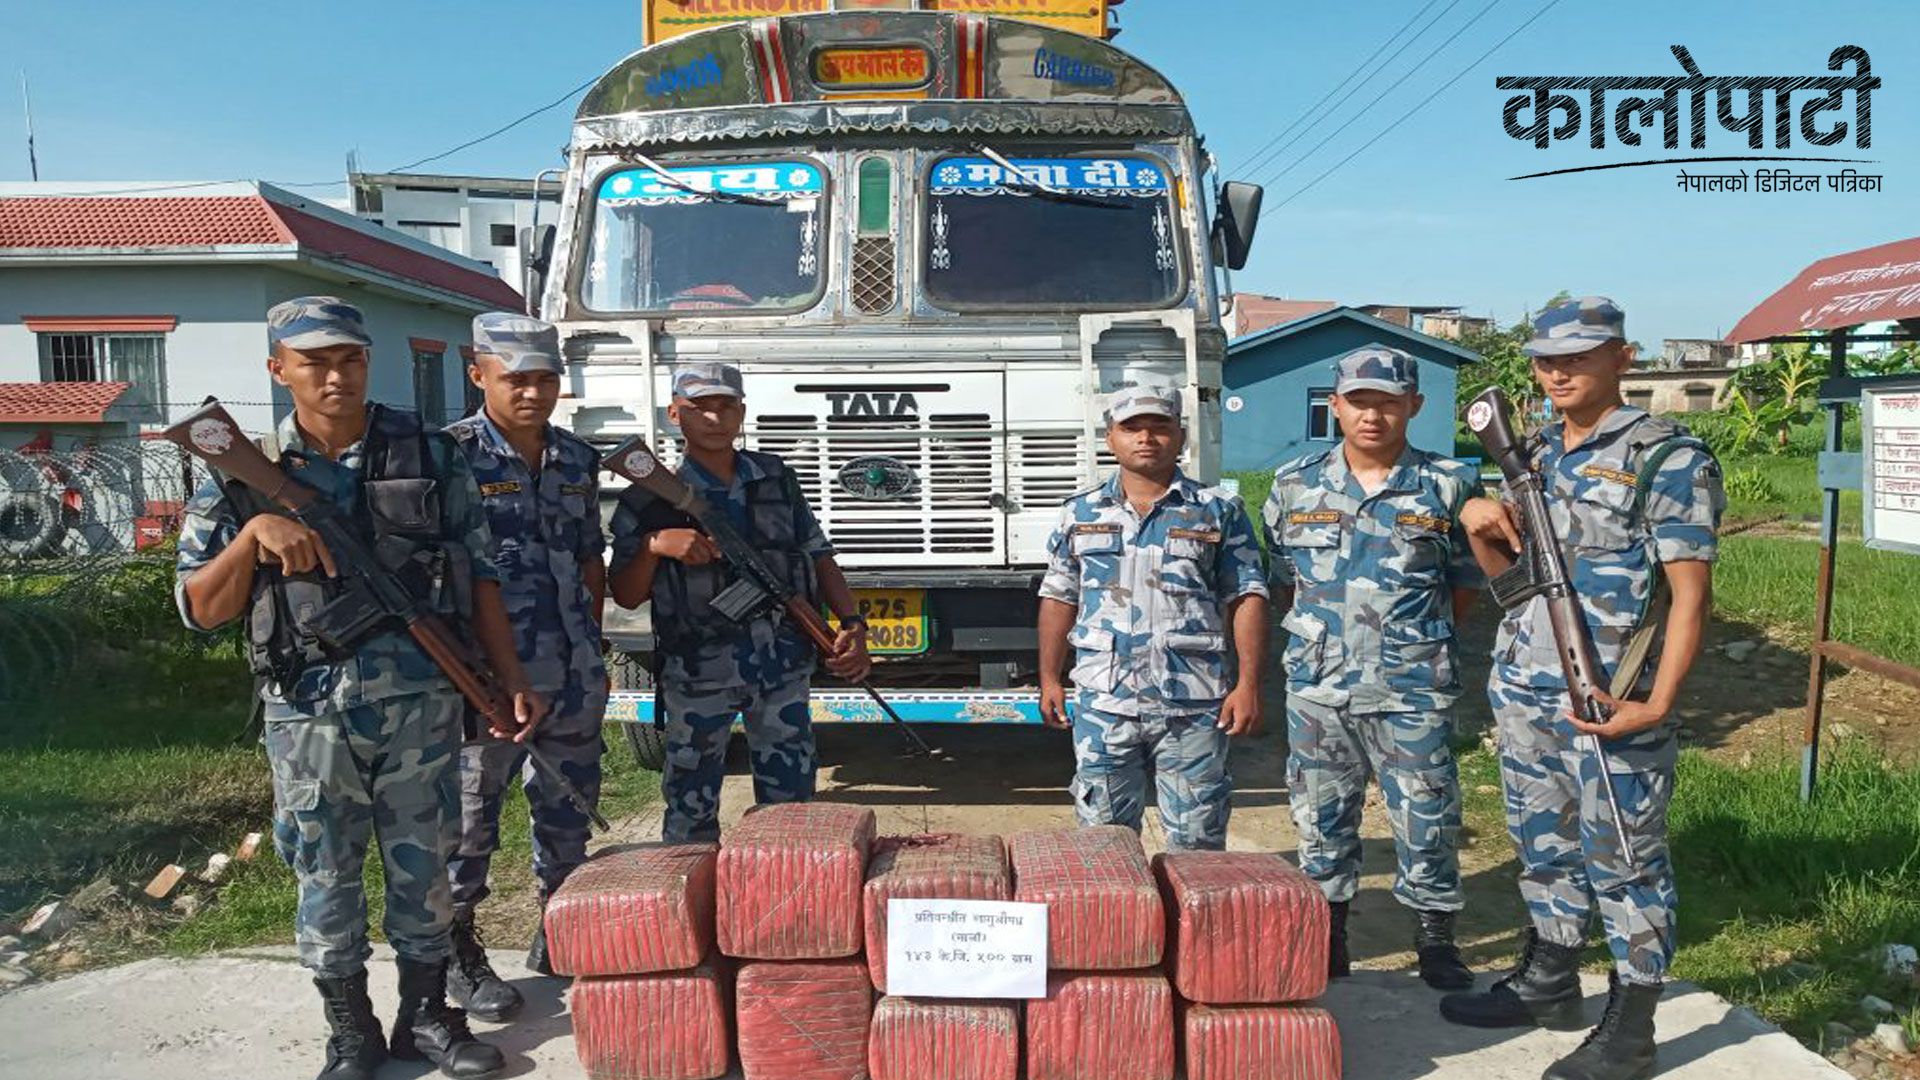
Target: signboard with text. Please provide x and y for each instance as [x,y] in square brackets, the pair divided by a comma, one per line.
[1890,460]
[671,18]
[966,949]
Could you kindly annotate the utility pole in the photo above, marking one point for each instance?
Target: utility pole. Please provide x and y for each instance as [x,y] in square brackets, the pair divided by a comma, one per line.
[33,162]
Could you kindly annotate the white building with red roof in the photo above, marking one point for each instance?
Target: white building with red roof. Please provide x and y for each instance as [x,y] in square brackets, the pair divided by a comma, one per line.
[165,287]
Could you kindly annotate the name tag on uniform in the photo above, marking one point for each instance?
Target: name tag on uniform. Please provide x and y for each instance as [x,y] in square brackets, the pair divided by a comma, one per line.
[1315,517]
[500,487]
[1087,528]
[1598,473]
[576,489]
[1204,536]
[1424,521]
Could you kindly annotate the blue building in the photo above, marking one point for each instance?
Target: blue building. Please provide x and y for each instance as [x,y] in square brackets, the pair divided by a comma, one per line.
[1278,383]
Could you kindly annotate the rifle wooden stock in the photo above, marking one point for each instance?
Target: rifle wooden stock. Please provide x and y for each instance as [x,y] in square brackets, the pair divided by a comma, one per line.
[1487,417]
[212,435]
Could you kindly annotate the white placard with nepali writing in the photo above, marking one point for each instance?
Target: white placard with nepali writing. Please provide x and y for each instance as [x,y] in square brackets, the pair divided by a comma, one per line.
[1891,473]
[966,949]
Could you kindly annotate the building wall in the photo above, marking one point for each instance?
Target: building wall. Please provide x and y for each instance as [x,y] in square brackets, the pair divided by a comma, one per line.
[1274,381]
[462,221]
[1669,391]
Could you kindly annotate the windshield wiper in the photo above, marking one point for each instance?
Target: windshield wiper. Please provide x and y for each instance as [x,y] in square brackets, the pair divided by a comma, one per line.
[1014,181]
[660,172]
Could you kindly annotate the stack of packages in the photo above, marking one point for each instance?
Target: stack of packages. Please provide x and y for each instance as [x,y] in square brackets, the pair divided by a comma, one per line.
[1248,943]
[918,1039]
[789,884]
[1108,1012]
[635,927]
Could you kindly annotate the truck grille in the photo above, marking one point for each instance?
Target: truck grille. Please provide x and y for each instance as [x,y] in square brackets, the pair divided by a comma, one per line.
[1046,468]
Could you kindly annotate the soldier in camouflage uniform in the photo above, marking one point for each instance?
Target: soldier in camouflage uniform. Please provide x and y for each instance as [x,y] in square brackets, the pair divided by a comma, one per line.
[1367,544]
[540,488]
[364,744]
[1146,574]
[710,669]
[1637,499]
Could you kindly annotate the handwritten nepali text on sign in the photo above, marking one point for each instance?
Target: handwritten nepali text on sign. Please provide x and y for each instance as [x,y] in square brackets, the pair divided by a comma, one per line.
[966,949]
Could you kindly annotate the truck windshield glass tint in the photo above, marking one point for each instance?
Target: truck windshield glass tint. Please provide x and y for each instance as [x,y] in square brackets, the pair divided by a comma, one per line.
[991,245]
[667,246]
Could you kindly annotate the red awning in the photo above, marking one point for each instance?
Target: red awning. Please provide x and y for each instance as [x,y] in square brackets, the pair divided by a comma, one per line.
[1870,285]
[58,402]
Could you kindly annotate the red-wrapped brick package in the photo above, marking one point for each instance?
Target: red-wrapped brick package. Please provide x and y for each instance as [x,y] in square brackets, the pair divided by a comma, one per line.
[803,1019]
[670,1026]
[1103,909]
[789,882]
[1101,1025]
[1260,1042]
[1247,928]
[943,867]
[921,1039]
[631,911]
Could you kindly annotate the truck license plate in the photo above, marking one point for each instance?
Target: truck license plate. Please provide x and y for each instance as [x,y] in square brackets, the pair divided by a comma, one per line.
[896,620]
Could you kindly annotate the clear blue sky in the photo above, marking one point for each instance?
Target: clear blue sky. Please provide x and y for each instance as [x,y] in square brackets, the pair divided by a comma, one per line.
[220,89]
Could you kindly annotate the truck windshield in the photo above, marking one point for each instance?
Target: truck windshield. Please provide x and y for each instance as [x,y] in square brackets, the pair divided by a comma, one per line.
[711,237]
[1063,232]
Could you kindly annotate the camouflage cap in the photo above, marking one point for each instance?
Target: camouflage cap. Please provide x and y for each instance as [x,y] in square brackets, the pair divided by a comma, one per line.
[1576,326]
[1143,400]
[694,381]
[315,322]
[1376,367]
[522,343]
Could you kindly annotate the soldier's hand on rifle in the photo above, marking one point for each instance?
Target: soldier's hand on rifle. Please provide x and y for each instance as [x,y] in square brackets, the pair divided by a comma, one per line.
[849,659]
[529,708]
[1493,521]
[690,546]
[1628,717]
[298,549]
[1053,705]
[1240,712]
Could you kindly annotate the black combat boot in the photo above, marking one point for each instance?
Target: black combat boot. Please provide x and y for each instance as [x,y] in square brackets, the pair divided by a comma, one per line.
[1621,1048]
[1440,964]
[430,1029]
[357,1045]
[1339,964]
[1542,990]
[471,981]
[537,952]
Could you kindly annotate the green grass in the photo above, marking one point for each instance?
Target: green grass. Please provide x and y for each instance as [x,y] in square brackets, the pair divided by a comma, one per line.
[1769,581]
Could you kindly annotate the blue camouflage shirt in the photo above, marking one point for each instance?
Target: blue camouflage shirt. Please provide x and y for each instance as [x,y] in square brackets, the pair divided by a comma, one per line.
[1371,627]
[388,665]
[546,529]
[1611,553]
[1150,636]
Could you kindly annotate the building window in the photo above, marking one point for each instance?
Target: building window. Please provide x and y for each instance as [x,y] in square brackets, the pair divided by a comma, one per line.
[501,235]
[1699,398]
[430,386]
[139,360]
[1640,399]
[1321,423]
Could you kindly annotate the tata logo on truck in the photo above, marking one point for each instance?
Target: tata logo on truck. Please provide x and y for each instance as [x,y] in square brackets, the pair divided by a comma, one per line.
[880,403]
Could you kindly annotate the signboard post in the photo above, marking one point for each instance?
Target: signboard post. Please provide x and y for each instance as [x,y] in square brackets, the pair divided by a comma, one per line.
[1890,461]
[966,949]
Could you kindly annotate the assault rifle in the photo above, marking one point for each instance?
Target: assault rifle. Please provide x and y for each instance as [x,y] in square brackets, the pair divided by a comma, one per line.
[373,599]
[756,590]
[1540,569]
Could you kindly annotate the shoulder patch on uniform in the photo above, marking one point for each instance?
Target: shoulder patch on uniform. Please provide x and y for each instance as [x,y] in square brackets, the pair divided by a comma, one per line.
[1598,472]
[1424,521]
[1096,527]
[499,487]
[1205,536]
[576,489]
[1316,517]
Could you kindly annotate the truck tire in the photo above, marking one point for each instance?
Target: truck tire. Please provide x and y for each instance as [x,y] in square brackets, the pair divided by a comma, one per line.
[32,524]
[646,739]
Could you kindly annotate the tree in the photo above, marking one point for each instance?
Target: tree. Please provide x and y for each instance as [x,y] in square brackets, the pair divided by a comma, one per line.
[1503,364]
[1774,396]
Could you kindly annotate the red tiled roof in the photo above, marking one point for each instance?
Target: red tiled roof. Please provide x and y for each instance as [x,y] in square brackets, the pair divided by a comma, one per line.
[198,221]
[57,402]
[204,221]
[1252,314]
[1869,285]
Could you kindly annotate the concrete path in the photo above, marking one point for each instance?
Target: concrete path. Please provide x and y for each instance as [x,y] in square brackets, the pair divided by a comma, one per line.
[255,1016]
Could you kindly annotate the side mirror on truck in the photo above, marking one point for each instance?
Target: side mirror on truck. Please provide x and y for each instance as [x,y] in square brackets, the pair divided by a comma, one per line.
[1237,221]
[536,258]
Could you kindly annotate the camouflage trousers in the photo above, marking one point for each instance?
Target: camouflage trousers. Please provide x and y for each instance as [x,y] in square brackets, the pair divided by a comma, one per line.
[1570,857]
[1330,753]
[1186,756]
[339,780]
[569,737]
[779,739]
